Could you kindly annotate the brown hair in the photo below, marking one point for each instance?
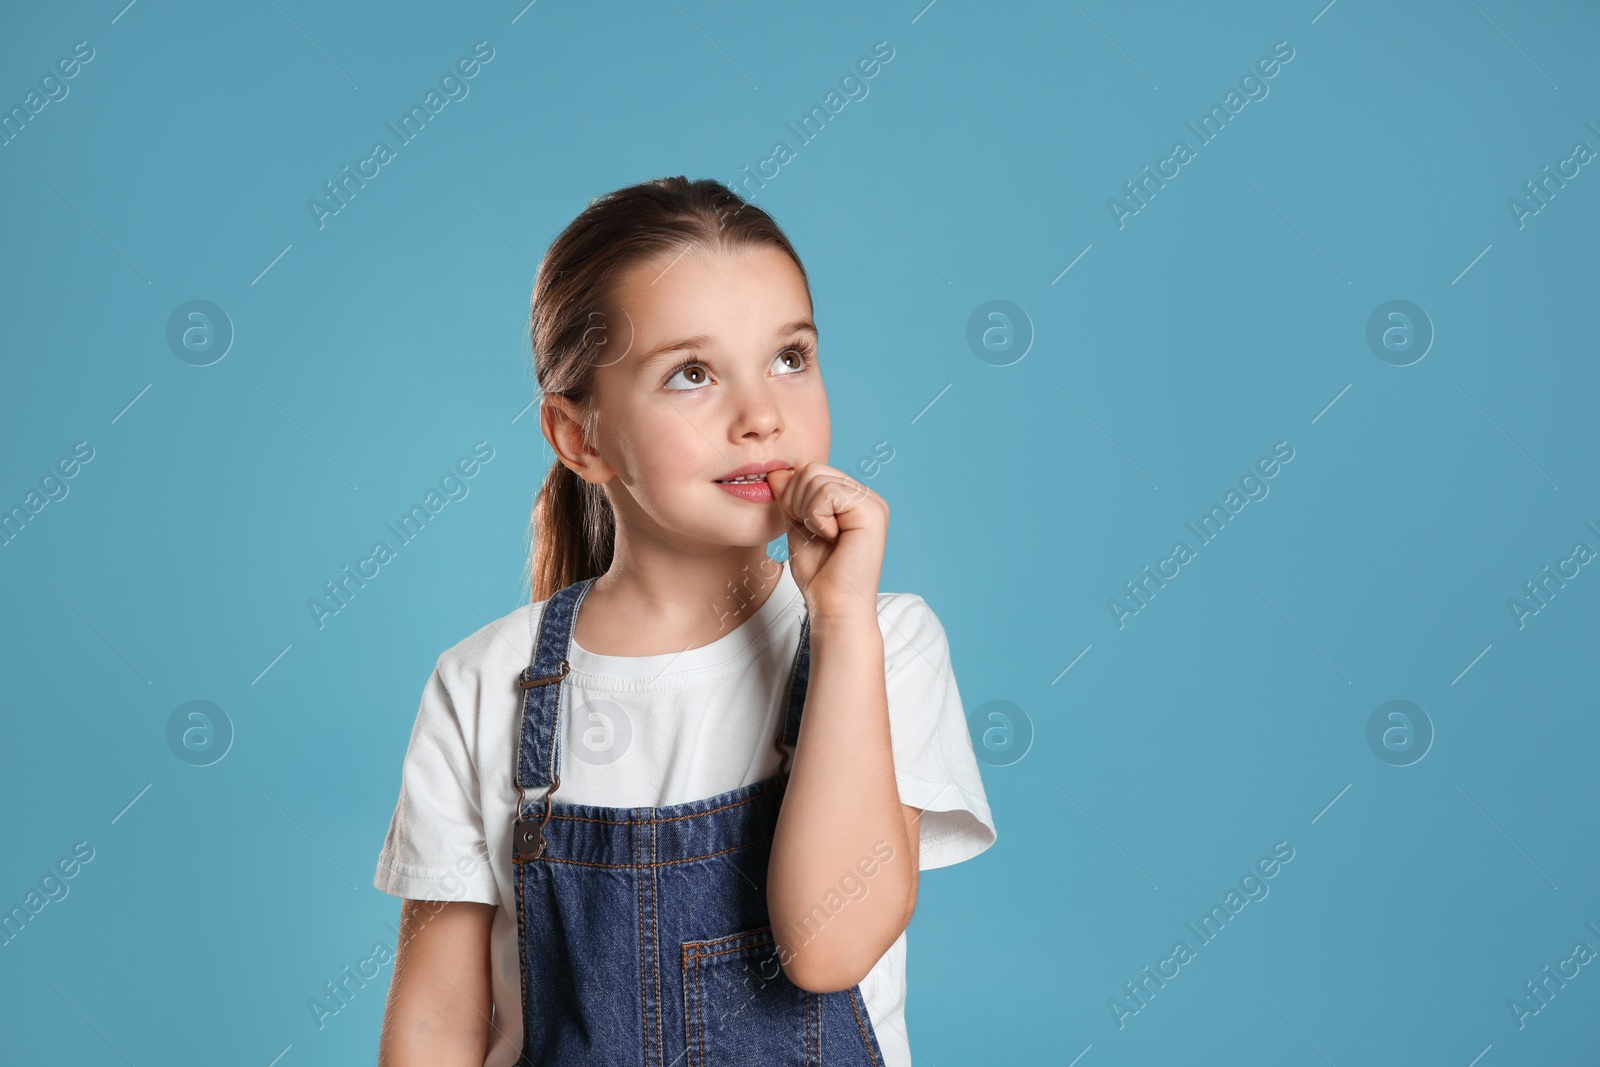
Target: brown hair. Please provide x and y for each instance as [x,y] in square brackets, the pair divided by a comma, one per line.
[573,528]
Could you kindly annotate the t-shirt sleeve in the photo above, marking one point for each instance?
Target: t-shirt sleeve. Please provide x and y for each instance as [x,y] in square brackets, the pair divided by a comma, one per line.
[436,842]
[935,766]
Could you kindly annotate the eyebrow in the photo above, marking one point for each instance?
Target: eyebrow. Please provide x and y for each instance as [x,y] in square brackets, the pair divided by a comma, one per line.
[700,340]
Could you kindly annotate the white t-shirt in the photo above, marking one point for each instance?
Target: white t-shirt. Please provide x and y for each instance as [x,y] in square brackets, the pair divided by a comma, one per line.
[653,731]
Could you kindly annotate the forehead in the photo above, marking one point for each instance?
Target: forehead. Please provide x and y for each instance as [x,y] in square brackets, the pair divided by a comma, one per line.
[746,291]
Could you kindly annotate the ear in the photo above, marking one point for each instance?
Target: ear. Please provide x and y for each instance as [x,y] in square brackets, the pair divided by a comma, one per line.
[562,423]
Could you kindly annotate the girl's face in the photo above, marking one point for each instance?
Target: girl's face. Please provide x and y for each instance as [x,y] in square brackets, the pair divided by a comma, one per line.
[715,367]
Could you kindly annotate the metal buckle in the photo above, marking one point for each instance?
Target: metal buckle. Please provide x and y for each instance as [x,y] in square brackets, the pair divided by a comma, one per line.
[528,841]
[526,682]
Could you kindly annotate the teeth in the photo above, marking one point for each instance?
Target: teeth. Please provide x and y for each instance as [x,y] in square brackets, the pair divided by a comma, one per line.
[747,478]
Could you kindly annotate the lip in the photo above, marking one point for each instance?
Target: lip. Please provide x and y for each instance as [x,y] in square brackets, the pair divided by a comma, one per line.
[754,492]
[758,467]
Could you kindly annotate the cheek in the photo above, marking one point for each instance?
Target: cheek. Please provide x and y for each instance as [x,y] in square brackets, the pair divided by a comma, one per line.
[663,447]
[813,422]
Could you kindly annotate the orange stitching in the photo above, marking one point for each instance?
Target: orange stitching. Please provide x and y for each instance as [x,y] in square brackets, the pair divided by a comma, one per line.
[760,937]
[730,951]
[760,940]
[655,938]
[522,955]
[816,1024]
[700,1002]
[644,1011]
[688,1023]
[809,1061]
[547,858]
[860,1026]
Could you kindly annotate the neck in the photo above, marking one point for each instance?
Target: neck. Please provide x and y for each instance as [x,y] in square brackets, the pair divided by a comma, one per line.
[656,599]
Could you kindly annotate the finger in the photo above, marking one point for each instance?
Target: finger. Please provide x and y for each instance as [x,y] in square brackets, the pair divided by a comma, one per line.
[797,491]
[797,500]
[784,484]
[779,481]
[842,493]
[822,504]
[814,496]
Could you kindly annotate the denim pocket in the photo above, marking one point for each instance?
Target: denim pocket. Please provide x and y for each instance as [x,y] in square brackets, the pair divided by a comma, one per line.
[740,1008]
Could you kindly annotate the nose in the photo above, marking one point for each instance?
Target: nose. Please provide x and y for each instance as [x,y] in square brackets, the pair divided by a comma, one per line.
[756,412]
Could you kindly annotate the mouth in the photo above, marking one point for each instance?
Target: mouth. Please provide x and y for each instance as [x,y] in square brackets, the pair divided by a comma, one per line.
[753,473]
[749,482]
[755,490]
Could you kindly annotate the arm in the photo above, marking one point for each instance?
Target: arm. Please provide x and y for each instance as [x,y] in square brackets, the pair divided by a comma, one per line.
[439,998]
[842,880]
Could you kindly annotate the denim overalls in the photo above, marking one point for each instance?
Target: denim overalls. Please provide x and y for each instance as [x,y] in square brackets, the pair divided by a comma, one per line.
[643,932]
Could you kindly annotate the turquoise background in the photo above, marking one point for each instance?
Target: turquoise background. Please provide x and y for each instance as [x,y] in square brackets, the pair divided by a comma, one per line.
[1033,474]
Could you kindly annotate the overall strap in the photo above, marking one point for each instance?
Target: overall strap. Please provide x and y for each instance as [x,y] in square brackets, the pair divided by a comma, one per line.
[539,733]
[538,750]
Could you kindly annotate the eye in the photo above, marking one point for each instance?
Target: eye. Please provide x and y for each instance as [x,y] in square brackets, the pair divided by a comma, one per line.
[796,358]
[802,357]
[688,364]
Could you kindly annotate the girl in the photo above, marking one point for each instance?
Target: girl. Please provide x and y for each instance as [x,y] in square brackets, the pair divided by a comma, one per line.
[682,825]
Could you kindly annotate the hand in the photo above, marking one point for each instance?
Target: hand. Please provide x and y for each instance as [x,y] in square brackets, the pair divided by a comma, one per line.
[837,532]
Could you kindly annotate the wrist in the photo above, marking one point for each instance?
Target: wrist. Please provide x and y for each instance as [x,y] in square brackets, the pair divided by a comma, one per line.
[854,620]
